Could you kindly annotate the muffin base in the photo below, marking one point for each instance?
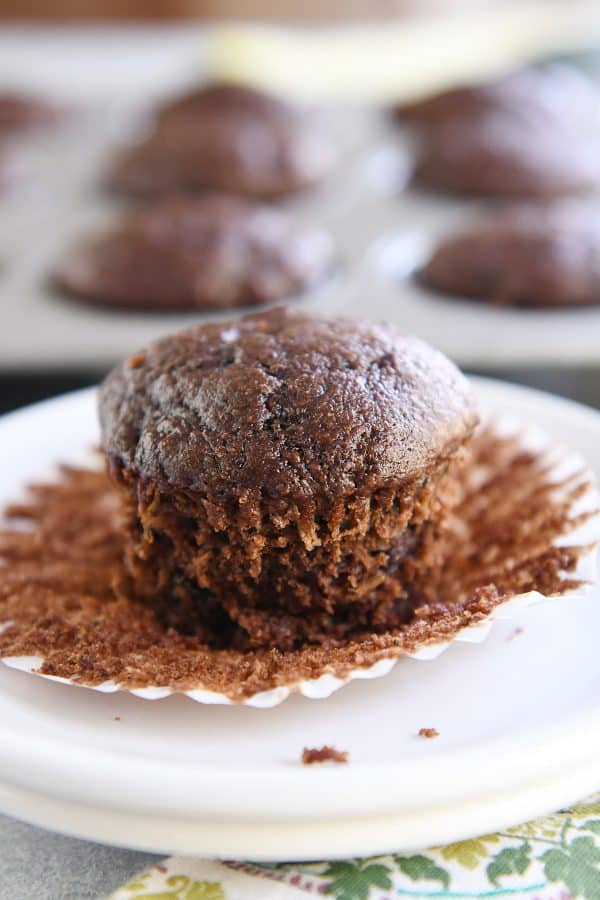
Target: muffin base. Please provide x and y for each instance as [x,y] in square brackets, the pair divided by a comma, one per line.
[272,575]
[62,599]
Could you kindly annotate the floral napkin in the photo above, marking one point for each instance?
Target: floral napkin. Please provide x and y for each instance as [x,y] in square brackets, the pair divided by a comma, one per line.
[554,858]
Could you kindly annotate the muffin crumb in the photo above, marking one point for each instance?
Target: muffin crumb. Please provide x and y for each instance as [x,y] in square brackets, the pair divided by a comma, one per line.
[323,754]
[428,732]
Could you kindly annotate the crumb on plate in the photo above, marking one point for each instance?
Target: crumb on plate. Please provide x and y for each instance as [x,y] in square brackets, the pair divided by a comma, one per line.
[428,732]
[323,754]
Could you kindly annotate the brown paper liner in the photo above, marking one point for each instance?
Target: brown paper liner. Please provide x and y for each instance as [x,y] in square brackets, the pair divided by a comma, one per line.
[59,599]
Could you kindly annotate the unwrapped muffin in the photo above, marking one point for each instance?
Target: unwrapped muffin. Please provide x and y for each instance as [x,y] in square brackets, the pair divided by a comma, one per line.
[500,156]
[525,255]
[552,93]
[284,479]
[228,138]
[210,252]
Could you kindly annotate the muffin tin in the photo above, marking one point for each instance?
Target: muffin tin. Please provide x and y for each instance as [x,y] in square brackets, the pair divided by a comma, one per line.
[383,227]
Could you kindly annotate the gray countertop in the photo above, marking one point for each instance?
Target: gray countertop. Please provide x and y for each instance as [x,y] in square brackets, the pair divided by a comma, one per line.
[36,863]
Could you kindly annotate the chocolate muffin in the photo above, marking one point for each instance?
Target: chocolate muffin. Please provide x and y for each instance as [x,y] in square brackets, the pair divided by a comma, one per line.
[19,112]
[226,138]
[210,252]
[538,256]
[552,93]
[284,478]
[499,156]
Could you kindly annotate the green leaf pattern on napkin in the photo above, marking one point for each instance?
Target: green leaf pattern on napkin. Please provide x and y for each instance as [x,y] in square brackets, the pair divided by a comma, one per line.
[353,880]
[554,858]
[420,867]
[510,861]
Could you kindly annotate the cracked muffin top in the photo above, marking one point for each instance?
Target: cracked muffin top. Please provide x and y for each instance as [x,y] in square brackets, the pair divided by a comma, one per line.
[284,404]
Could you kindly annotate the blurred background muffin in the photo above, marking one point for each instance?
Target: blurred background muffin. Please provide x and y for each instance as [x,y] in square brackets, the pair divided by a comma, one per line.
[504,156]
[212,252]
[554,93]
[228,138]
[524,255]
[22,112]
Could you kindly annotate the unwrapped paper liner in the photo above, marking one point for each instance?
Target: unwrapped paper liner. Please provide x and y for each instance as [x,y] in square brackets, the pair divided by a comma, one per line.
[585,534]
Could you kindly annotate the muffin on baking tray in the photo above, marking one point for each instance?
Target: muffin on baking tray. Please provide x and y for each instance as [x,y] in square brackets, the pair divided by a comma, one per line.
[556,92]
[284,478]
[21,112]
[524,255]
[208,252]
[227,138]
[501,156]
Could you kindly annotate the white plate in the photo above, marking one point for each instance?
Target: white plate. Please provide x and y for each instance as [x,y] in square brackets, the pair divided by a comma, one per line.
[519,720]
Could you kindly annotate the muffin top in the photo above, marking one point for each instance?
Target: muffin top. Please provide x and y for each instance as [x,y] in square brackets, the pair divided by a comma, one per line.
[209,252]
[19,112]
[526,255]
[222,100]
[554,92]
[501,156]
[285,406]
[227,138]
